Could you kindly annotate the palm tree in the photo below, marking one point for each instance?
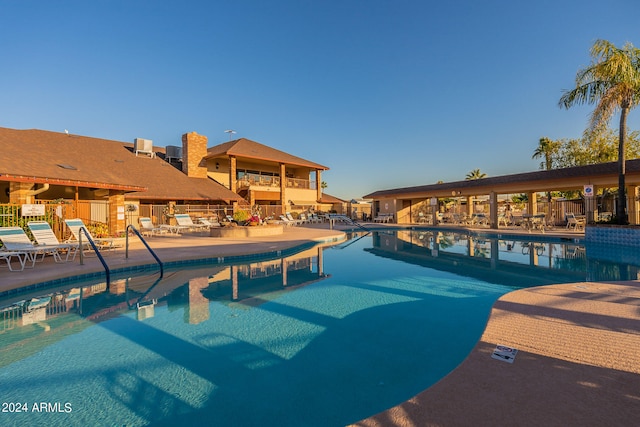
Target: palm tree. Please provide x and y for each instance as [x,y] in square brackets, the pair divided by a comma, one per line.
[476,174]
[612,83]
[546,148]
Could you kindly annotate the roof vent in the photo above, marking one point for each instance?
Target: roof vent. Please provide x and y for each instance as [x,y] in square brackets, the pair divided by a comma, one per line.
[173,152]
[144,146]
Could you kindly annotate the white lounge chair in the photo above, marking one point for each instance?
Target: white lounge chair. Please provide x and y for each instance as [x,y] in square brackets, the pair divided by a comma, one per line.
[286,221]
[186,223]
[209,223]
[295,221]
[76,224]
[148,228]
[45,237]
[14,239]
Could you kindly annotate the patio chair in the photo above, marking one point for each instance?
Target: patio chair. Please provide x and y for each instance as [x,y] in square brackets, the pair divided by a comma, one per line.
[14,239]
[186,223]
[76,224]
[148,228]
[573,221]
[45,237]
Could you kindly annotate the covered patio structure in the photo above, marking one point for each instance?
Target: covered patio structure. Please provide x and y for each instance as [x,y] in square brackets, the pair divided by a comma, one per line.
[407,205]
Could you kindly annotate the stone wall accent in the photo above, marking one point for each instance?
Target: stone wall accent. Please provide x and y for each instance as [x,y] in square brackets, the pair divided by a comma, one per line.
[194,149]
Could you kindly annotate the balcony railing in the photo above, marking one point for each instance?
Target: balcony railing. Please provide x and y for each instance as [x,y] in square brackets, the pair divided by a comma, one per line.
[274,181]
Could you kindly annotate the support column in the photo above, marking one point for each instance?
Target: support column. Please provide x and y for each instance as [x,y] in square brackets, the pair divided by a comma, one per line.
[591,207]
[283,186]
[633,205]
[117,214]
[318,185]
[532,205]
[493,209]
[469,206]
[233,176]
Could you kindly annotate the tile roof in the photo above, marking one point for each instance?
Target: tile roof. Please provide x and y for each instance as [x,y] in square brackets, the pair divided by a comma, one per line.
[62,159]
[327,198]
[254,150]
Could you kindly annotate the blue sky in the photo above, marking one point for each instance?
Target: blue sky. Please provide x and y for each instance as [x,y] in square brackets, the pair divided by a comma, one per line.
[423,90]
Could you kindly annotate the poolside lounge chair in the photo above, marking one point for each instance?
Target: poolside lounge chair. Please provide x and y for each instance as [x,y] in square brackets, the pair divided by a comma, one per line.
[209,223]
[186,223]
[148,228]
[286,221]
[295,221]
[9,255]
[14,239]
[45,237]
[76,224]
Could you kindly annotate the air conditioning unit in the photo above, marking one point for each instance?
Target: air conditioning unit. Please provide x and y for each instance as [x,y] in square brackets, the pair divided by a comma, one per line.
[173,152]
[144,146]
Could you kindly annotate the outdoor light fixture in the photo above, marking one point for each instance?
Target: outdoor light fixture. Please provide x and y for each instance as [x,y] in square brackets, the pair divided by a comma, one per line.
[217,165]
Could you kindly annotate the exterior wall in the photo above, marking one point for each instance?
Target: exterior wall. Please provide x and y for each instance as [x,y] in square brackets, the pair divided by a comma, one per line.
[194,149]
[386,206]
[302,195]
[218,170]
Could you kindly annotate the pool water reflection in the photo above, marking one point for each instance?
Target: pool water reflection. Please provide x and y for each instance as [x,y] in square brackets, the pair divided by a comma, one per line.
[324,337]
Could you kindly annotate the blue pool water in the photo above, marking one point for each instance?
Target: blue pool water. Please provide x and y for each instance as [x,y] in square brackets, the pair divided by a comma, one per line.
[324,337]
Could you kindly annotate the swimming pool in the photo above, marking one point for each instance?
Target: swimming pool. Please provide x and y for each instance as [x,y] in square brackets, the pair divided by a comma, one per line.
[323,337]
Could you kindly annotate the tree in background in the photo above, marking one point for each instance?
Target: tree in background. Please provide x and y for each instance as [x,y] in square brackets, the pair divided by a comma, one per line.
[612,83]
[600,147]
[476,174]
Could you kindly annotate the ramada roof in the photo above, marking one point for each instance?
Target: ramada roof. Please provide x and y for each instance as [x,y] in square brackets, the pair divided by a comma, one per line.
[56,158]
[254,150]
[572,178]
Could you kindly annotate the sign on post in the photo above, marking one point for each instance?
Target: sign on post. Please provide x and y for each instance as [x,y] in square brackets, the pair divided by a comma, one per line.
[588,190]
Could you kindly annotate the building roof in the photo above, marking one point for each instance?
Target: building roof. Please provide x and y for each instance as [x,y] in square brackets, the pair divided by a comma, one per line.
[56,158]
[573,178]
[254,150]
[329,199]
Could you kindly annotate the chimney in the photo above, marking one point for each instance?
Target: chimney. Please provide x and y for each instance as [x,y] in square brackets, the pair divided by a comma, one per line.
[194,149]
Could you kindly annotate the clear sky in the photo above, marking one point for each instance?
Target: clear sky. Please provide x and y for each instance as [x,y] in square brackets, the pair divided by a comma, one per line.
[386,93]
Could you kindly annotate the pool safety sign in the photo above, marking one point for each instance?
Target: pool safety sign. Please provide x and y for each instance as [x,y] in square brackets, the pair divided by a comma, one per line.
[588,190]
[504,353]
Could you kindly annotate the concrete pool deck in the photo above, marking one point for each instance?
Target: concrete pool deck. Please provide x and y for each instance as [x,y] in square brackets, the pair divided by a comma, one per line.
[578,359]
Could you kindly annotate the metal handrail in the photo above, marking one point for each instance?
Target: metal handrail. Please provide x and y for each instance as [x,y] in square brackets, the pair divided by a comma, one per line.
[83,230]
[132,228]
